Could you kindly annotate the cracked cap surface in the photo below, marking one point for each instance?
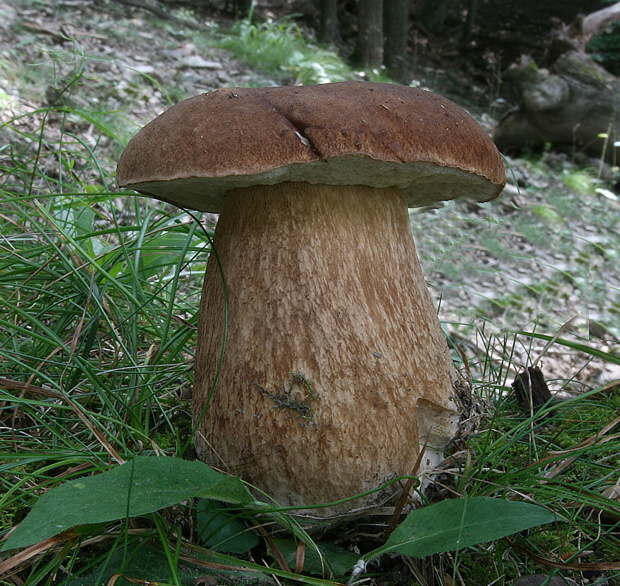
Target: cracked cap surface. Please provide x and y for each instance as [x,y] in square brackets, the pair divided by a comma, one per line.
[347,133]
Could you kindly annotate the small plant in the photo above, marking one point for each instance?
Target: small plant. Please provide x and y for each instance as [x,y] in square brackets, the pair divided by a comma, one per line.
[580,181]
[282,49]
[135,488]
[298,397]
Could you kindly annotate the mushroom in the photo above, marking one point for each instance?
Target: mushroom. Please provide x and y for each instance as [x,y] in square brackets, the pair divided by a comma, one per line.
[335,369]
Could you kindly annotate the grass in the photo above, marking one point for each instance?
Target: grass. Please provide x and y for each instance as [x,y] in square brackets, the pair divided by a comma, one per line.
[87,293]
[280,48]
[98,301]
[283,50]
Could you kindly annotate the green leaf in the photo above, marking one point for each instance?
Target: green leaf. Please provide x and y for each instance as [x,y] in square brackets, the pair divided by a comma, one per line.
[161,253]
[220,529]
[141,486]
[333,559]
[144,562]
[548,213]
[455,524]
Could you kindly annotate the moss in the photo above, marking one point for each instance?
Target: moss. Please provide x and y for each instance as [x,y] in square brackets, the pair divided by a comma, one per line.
[298,397]
[583,69]
[553,543]
[486,567]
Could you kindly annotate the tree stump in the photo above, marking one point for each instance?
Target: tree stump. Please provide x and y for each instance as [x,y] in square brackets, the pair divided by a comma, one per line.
[574,104]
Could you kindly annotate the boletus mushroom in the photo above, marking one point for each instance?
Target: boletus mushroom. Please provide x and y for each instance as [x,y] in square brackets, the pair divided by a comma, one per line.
[335,370]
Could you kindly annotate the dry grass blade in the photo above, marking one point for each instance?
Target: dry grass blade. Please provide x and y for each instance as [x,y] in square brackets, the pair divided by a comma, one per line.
[578,567]
[300,557]
[560,332]
[35,550]
[597,438]
[275,550]
[402,499]
[13,384]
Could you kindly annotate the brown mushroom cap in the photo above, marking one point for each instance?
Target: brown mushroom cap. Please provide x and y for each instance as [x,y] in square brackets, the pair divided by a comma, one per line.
[349,133]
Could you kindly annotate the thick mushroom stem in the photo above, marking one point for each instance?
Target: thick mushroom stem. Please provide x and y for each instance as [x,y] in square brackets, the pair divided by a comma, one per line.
[336,369]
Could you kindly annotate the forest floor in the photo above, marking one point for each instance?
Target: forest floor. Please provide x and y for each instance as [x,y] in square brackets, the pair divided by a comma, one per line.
[544,257]
[544,254]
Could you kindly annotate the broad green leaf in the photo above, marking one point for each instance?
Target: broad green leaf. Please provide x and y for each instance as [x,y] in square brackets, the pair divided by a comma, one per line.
[145,562]
[160,253]
[454,524]
[220,529]
[333,559]
[141,486]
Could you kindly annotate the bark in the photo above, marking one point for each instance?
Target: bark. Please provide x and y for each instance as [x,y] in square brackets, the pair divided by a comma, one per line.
[329,21]
[335,369]
[369,50]
[433,15]
[396,29]
[468,29]
[531,389]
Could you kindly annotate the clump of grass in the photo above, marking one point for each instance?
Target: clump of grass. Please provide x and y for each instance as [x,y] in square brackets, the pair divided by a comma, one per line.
[281,49]
[95,340]
[564,456]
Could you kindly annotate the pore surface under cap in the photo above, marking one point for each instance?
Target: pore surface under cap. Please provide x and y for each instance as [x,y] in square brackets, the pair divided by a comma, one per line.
[349,133]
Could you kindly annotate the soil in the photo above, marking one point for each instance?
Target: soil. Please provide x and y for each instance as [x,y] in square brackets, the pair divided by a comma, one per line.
[544,254]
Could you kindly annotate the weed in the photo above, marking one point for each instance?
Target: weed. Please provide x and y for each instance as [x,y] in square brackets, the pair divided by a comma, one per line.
[283,50]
